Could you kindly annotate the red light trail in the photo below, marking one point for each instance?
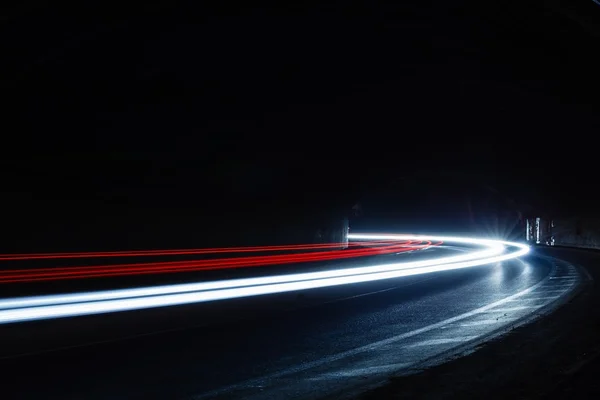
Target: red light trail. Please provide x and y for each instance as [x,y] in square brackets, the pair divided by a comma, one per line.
[176,252]
[146,268]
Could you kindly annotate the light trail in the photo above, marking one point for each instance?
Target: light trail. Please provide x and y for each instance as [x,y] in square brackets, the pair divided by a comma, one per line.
[177,252]
[85,272]
[69,305]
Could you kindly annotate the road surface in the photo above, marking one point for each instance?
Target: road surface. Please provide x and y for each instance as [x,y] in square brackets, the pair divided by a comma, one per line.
[298,345]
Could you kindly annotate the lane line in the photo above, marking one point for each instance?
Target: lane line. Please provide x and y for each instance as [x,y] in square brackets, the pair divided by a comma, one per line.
[483,322]
[537,298]
[435,342]
[363,371]
[509,309]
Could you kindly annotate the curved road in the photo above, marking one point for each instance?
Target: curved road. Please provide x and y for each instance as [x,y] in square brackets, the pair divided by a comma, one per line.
[311,344]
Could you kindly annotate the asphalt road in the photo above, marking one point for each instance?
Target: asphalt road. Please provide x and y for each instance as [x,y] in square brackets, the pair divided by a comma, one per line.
[312,344]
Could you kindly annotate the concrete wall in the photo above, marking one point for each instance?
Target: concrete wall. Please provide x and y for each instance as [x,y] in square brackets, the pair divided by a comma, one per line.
[333,231]
[583,232]
[74,228]
[578,232]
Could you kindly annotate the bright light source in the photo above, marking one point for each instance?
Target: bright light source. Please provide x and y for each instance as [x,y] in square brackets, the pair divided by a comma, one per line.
[67,305]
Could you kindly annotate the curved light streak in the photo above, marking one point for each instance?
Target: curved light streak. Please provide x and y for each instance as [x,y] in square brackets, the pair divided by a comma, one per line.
[141,253]
[69,305]
[29,275]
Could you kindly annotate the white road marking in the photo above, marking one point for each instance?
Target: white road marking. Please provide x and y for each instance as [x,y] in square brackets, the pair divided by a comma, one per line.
[364,371]
[509,309]
[435,342]
[540,298]
[483,322]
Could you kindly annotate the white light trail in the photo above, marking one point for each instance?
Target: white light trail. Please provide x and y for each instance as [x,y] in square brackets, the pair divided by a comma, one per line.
[68,305]
[493,249]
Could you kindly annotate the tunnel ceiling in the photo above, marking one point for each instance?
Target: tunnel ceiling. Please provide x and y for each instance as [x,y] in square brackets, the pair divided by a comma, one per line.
[197,104]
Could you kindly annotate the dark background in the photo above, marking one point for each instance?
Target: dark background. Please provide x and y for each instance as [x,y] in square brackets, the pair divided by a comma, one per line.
[166,123]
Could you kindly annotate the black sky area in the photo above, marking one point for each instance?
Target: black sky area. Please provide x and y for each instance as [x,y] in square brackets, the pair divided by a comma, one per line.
[227,106]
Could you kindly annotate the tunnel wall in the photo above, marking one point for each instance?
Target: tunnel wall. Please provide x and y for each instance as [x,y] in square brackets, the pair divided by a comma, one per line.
[577,232]
[582,232]
[65,228]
